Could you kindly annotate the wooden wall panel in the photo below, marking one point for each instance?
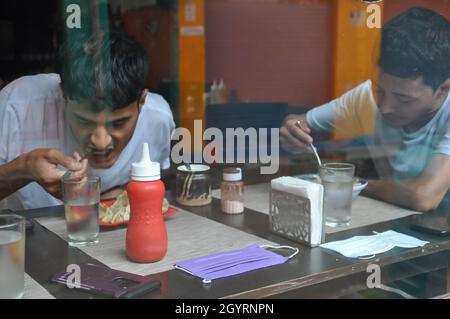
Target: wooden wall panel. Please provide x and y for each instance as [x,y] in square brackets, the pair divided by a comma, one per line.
[394,7]
[271,50]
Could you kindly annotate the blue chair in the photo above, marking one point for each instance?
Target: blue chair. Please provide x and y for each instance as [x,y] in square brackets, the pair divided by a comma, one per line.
[245,115]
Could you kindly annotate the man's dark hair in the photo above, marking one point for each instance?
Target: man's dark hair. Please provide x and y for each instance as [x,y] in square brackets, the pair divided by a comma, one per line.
[417,43]
[106,71]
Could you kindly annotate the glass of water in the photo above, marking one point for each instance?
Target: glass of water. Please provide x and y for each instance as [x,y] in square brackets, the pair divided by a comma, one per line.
[12,256]
[337,181]
[81,204]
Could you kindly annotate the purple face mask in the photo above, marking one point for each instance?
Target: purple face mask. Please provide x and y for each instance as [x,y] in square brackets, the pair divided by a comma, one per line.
[233,262]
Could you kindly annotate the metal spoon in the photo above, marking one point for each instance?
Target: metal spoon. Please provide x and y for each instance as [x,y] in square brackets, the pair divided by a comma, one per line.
[299,124]
[69,172]
[188,166]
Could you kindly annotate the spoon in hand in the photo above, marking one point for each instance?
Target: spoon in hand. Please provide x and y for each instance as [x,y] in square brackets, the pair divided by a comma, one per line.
[299,124]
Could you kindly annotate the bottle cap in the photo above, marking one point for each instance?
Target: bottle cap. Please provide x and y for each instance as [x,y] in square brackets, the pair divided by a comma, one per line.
[232,174]
[145,170]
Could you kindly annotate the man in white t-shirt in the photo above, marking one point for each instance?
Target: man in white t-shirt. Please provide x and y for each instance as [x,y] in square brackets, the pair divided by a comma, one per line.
[406,111]
[93,117]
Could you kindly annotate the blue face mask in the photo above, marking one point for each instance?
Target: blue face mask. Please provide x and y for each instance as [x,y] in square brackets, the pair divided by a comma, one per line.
[233,262]
[366,247]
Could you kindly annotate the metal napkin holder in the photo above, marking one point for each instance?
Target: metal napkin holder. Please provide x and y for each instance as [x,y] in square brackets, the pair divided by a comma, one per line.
[290,217]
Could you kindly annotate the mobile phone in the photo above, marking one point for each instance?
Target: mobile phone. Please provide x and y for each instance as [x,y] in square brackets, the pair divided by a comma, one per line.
[109,282]
[433,223]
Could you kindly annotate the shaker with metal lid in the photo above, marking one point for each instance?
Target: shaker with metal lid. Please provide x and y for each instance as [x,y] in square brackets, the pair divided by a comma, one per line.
[232,191]
[193,185]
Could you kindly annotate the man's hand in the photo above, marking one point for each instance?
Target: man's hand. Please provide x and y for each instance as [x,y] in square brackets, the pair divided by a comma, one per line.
[292,138]
[41,166]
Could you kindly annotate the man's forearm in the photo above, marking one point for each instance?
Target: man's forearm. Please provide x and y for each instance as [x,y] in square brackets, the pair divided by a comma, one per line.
[404,193]
[12,177]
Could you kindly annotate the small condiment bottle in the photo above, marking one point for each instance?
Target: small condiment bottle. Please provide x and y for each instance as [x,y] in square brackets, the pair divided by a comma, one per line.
[193,185]
[146,239]
[232,191]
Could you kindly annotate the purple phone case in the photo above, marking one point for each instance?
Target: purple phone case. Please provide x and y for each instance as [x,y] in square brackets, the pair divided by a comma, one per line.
[110,282]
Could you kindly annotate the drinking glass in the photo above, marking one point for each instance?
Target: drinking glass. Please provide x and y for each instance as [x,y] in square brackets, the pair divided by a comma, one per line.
[337,181]
[12,256]
[81,204]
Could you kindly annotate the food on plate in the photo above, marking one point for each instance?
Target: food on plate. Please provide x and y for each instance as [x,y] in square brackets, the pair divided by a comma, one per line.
[119,211]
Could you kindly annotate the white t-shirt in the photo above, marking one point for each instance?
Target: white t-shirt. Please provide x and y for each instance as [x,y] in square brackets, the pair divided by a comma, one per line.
[356,113]
[32,116]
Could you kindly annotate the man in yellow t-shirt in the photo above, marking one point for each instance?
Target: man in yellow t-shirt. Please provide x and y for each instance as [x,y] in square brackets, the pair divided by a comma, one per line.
[406,110]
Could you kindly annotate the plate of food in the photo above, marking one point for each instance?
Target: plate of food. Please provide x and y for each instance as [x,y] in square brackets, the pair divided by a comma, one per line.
[117,212]
[358,183]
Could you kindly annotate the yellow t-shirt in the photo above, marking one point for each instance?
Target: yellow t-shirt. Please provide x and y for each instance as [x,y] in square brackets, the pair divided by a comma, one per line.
[349,116]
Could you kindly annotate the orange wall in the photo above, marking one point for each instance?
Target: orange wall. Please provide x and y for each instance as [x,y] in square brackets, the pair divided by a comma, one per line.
[191,68]
[355,43]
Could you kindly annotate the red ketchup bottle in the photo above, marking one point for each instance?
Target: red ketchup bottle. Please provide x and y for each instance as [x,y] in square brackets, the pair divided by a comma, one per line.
[146,233]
